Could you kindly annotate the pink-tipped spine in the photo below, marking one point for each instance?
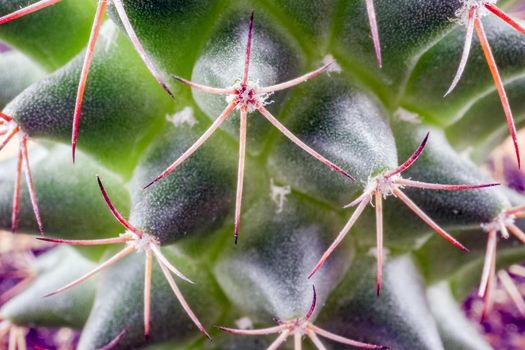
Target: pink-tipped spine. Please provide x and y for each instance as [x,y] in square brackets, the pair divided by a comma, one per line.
[357,213]
[240,173]
[379,239]
[342,340]
[147,293]
[478,25]
[509,20]
[182,300]
[442,187]
[138,45]
[9,137]
[411,160]
[264,331]
[95,30]
[37,6]
[31,185]
[114,210]
[200,141]
[374,29]
[15,209]
[405,199]
[300,143]
[91,242]
[294,82]
[489,256]
[115,258]
[466,51]
[204,88]
[113,343]
[313,305]
[247,58]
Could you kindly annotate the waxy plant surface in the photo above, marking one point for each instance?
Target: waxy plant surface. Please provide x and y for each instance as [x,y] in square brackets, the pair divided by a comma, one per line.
[261,174]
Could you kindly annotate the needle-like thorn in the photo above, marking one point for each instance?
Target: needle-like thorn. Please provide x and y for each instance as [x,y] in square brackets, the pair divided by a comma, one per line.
[487,305]
[315,340]
[115,258]
[337,338]
[405,199]
[478,25]
[162,259]
[216,124]
[182,300]
[204,88]
[39,5]
[147,293]
[489,256]
[279,341]
[512,290]
[442,187]
[357,213]
[16,194]
[466,51]
[113,344]
[114,210]
[138,45]
[314,304]
[245,74]
[31,185]
[517,232]
[247,97]
[295,81]
[517,270]
[8,138]
[412,159]
[264,331]
[510,21]
[95,30]
[372,18]
[240,172]
[89,242]
[298,341]
[266,113]
[379,238]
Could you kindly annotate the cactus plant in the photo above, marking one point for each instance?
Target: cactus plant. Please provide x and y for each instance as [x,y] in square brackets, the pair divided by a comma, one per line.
[158,98]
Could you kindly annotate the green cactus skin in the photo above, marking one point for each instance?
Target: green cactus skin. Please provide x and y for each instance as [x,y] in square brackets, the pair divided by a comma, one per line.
[365,119]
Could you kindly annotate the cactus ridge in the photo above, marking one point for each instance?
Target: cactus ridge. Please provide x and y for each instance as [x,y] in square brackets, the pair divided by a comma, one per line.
[390,183]
[471,14]
[247,97]
[484,206]
[135,241]
[297,328]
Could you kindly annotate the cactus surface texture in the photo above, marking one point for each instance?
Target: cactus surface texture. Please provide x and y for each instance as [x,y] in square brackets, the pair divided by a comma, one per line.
[260,174]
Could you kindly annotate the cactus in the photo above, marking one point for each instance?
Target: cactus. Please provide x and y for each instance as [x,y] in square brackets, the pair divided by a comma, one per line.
[162,128]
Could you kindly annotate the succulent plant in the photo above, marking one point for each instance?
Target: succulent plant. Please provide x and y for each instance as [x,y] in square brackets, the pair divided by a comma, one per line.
[348,106]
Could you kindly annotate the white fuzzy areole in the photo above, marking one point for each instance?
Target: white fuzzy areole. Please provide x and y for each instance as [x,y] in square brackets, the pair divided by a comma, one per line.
[141,244]
[109,33]
[334,67]
[407,116]
[247,98]
[182,118]
[278,195]
[500,224]
[244,323]
[383,184]
[462,14]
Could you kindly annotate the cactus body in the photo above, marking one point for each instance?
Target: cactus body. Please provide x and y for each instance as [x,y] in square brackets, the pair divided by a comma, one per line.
[227,138]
